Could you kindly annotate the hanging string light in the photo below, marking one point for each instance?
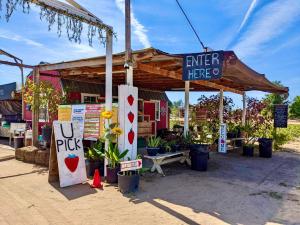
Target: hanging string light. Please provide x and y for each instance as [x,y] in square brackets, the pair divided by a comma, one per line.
[73,24]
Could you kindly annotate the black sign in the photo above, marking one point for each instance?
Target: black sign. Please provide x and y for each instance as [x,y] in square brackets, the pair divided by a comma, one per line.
[203,66]
[280,115]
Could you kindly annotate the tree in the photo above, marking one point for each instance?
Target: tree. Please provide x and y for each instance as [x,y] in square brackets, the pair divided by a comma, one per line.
[295,108]
[271,99]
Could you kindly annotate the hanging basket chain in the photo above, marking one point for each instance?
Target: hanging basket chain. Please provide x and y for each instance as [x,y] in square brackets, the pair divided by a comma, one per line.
[62,18]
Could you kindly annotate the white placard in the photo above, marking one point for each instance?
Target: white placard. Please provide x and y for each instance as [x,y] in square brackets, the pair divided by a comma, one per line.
[131,165]
[78,114]
[128,120]
[223,138]
[69,151]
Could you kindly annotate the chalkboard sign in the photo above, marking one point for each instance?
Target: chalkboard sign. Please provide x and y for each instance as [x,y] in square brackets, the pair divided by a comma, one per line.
[280,116]
[203,66]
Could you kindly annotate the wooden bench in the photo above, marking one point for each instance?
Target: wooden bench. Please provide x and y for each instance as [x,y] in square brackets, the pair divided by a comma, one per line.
[162,159]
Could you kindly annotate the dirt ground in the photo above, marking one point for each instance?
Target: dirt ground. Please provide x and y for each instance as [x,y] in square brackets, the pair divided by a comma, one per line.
[235,190]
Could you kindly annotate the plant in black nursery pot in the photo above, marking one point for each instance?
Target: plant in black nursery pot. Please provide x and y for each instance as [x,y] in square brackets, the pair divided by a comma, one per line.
[112,153]
[153,146]
[248,146]
[94,158]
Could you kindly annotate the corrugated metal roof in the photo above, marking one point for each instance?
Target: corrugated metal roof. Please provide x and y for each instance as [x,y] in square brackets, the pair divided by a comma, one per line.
[92,88]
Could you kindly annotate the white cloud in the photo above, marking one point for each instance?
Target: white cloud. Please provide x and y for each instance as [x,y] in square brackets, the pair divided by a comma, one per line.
[15,37]
[248,14]
[139,29]
[270,22]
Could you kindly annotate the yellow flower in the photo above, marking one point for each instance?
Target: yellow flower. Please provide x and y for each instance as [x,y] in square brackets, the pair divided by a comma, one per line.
[107,114]
[117,131]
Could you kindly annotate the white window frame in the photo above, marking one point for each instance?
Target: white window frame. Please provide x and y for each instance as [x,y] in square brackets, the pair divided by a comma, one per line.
[157,105]
[88,95]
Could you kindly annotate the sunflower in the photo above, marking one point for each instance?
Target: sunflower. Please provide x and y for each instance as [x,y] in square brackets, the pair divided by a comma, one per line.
[117,131]
[107,114]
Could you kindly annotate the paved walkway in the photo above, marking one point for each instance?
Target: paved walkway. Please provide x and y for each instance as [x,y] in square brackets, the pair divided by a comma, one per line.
[235,190]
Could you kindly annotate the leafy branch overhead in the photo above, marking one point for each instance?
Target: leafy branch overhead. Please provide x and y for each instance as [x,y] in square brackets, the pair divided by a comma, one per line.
[60,18]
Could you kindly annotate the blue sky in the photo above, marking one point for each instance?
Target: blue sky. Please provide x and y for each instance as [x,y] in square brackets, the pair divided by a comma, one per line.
[265,34]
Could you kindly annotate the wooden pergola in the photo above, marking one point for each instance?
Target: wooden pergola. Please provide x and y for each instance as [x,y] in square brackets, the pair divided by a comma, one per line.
[157,70]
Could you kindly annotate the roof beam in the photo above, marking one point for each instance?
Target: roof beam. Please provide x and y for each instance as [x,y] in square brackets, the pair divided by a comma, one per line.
[177,76]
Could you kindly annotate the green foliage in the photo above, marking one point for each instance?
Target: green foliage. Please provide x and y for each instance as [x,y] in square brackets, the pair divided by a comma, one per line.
[271,99]
[49,98]
[114,155]
[154,142]
[284,135]
[96,151]
[249,131]
[295,108]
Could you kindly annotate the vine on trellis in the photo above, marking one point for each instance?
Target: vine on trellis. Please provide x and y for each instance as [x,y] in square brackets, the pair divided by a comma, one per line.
[73,24]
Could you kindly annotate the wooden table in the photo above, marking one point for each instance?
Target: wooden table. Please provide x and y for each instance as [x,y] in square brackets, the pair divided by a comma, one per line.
[161,159]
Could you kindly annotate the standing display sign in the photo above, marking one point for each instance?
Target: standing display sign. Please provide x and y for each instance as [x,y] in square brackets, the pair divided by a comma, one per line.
[78,114]
[92,122]
[203,66]
[281,115]
[64,112]
[223,137]
[128,116]
[131,165]
[69,153]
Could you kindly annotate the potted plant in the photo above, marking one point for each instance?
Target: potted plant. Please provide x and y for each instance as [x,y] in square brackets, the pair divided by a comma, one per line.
[128,181]
[49,100]
[112,152]
[248,132]
[94,158]
[266,138]
[164,147]
[199,150]
[153,145]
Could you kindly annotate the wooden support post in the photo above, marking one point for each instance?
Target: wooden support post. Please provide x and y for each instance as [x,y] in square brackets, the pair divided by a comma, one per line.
[22,92]
[221,107]
[186,107]
[244,110]
[108,83]
[128,53]
[35,109]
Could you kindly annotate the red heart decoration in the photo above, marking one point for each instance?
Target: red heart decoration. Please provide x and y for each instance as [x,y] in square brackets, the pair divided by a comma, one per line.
[130,117]
[131,136]
[72,163]
[130,99]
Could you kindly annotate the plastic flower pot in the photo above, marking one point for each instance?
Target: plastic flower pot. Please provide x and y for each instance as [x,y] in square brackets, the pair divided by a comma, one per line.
[162,150]
[112,175]
[248,150]
[199,154]
[175,148]
[152,151]
[128,182]
[265,147]
[46,133]
[92,165]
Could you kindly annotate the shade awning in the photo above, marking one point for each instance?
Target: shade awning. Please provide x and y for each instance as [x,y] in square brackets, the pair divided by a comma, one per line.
[157,70]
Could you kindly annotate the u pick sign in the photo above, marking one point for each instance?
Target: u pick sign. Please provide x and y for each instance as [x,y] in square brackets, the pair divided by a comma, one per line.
[69,151]
[131,165]
[203,66]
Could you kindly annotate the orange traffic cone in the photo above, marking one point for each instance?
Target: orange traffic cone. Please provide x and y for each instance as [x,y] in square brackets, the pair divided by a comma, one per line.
[97,180]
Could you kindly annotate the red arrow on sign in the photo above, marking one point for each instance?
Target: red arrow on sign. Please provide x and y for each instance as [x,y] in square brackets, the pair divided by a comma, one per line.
[139,163]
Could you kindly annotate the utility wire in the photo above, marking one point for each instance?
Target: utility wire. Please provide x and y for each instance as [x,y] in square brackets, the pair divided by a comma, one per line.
[195,32]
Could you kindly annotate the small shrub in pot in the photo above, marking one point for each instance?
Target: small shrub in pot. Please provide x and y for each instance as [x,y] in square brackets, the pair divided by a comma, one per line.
[153,145]
[95,158]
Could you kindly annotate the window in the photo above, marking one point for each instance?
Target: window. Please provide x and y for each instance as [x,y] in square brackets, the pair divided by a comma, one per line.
[89,98]
[157,110]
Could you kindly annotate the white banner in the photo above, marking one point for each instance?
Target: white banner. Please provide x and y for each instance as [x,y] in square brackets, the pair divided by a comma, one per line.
[223,138]
[78,114]
[128,120]
[70,155]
